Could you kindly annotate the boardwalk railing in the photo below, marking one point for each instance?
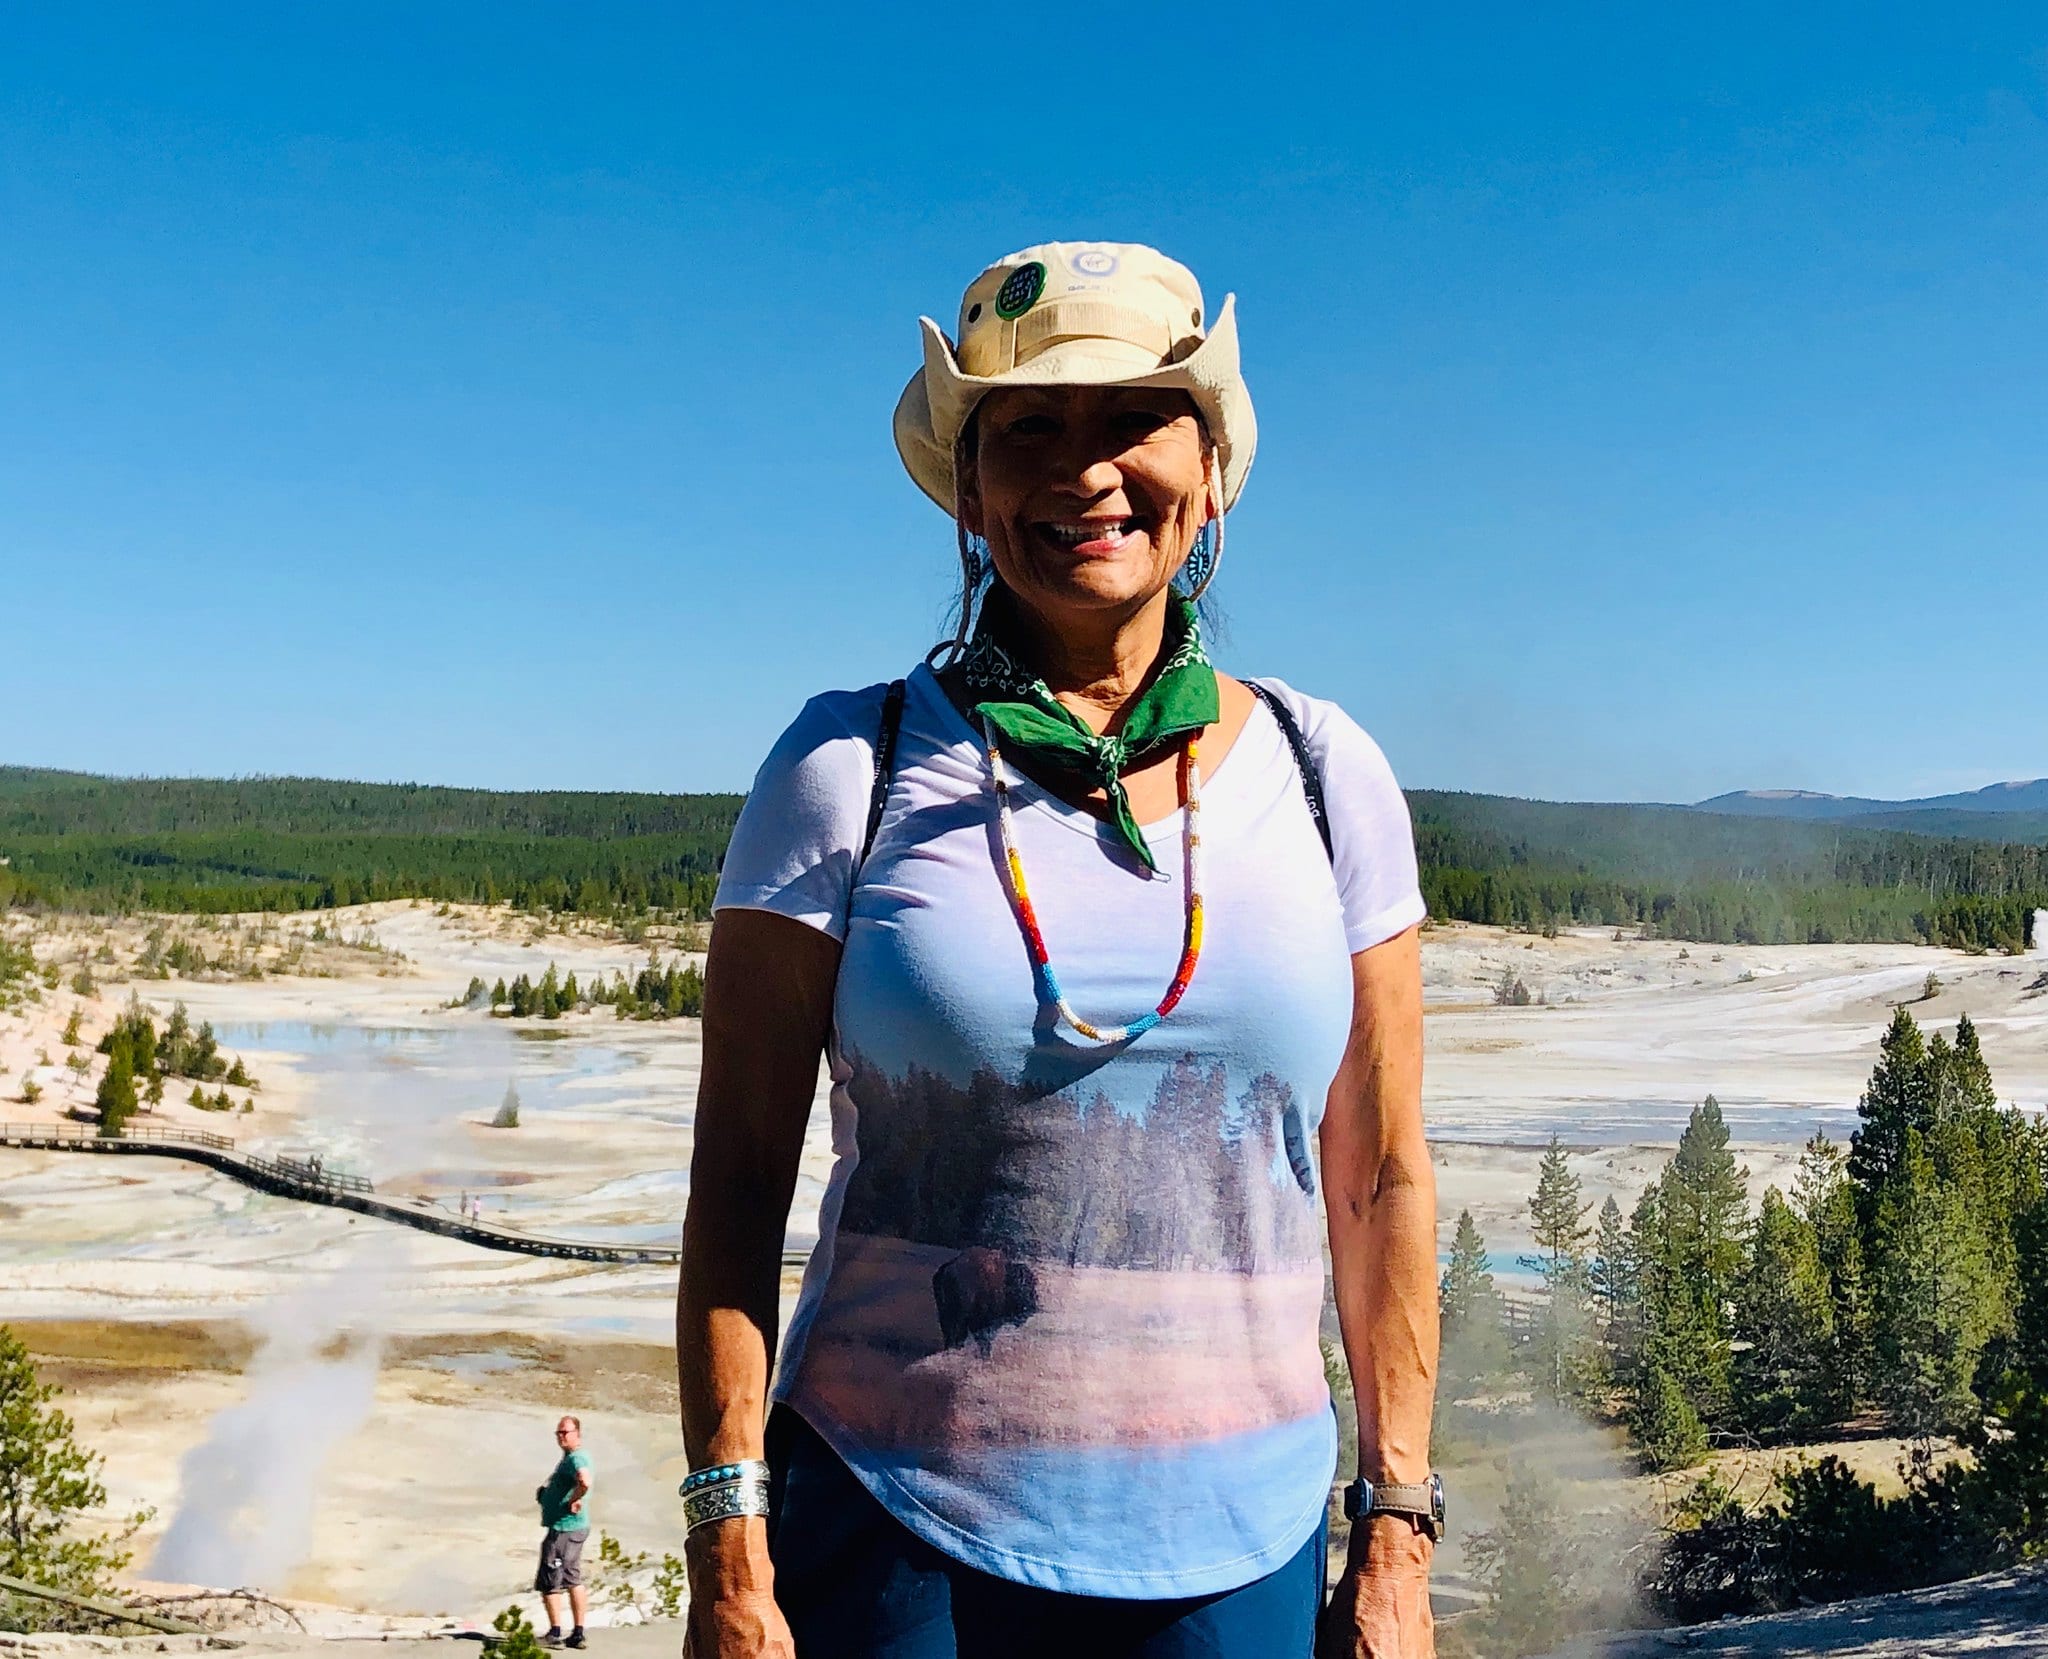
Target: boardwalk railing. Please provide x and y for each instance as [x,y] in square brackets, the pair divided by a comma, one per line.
[65,1134]
[309,1179]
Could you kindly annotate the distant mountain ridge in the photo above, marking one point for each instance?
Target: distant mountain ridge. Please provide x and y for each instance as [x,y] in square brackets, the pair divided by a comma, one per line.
[1998,798]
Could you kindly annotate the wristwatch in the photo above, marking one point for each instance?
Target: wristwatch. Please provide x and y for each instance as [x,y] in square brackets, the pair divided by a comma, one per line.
[1422,1503]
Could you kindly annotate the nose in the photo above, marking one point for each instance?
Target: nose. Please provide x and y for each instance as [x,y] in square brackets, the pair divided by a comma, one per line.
[1086,469]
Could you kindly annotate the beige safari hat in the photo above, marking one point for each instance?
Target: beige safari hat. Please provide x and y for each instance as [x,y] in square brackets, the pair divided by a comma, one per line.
[1077,314]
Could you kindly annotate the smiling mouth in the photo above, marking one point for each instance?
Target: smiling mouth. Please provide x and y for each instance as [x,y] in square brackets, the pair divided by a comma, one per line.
[1089,535]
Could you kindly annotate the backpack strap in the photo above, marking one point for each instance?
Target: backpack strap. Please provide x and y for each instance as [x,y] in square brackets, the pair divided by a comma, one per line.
[1304,763]
[885,766]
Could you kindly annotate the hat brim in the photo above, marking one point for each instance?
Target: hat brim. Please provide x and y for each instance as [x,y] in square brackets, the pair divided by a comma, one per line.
[938,400]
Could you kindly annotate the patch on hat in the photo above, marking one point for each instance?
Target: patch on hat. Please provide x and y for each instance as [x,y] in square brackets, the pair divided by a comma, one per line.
[1094,262]
[1020,291]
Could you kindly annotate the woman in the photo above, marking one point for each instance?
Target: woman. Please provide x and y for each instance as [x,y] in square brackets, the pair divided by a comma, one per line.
[1054,1381]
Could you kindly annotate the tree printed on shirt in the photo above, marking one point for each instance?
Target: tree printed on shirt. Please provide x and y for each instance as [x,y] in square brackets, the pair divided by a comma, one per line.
[1200,1181]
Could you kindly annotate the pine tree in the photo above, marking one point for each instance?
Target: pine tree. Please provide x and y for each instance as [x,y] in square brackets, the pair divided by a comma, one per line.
[1566,1360]
[1900,1098]
[1825,1199]
[1970,1083]
[1707,1201]
[1935,1298]
[116,1099]
[1557,1213]
[498,993]
[1616,1281]
[1528,1566]
[1474,1345]
[1683,1340]
[1689,1242]
[1666,1425]
[48,1485]
[1785,1314]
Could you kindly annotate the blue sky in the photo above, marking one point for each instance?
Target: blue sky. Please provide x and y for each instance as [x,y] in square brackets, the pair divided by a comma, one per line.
[1651,397]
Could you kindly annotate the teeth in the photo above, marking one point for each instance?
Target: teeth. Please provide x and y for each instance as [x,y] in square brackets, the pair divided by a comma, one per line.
[1100,529]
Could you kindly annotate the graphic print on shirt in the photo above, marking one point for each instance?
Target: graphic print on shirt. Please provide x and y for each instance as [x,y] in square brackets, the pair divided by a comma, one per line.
[1085,1237]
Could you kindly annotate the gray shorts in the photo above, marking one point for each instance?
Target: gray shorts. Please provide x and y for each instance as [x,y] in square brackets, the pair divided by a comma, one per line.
[561,1561]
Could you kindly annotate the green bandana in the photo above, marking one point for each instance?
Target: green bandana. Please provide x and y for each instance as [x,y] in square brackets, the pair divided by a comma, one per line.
[1036,725]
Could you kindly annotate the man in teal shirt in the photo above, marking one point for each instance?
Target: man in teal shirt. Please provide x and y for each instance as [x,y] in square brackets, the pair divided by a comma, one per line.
[564,1528]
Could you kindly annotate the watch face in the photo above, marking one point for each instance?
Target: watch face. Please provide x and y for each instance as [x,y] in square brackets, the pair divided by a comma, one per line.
[1436,1498]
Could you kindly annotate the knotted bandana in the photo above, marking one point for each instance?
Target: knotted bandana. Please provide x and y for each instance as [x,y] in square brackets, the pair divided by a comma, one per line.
[1037,726]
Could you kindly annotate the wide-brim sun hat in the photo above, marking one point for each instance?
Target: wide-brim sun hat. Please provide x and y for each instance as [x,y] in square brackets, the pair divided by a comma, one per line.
[1077,314]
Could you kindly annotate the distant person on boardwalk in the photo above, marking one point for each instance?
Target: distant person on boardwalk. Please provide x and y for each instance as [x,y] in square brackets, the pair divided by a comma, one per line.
[564,1528]
[1114,962]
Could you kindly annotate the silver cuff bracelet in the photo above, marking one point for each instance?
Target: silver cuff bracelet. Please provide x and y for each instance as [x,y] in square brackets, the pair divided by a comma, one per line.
[741,1495]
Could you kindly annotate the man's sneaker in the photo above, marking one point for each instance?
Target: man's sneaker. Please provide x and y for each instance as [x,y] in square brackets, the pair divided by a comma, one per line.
[575,1637]
[552,1639]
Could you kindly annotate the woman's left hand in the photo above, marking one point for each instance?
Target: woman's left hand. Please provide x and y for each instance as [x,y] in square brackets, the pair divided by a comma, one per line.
[1380,1609]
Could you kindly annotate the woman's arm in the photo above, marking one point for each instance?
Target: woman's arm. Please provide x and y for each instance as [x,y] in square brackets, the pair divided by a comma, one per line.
[1381,1195]
[767,1010]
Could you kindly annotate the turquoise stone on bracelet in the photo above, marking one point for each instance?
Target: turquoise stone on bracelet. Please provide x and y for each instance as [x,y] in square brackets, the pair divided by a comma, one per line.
[698,1479]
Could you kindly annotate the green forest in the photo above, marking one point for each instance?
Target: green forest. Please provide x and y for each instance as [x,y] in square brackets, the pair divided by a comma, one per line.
[1900,1287]
[77,841]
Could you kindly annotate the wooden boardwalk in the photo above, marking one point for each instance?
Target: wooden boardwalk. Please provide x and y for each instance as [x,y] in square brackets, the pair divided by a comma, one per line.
[309,1180]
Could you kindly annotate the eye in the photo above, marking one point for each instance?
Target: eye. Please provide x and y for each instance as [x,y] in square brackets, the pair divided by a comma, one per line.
[1138,421]
[1030,426]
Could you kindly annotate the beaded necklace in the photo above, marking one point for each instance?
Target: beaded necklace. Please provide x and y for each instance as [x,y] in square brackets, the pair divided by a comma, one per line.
[1027,917]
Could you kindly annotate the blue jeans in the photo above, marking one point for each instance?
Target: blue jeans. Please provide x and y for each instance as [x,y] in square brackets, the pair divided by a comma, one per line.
[855,1583]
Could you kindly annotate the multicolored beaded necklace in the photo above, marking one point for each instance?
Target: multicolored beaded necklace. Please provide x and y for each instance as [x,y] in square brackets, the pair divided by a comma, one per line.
[1027,917]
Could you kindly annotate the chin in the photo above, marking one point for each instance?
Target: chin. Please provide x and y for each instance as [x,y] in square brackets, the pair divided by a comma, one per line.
[1096,586]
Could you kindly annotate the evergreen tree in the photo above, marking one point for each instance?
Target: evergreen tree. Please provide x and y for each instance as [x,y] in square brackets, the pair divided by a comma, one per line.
[1616,1280]
[116,1099]
[1935,1298]
[1684,1338]
[1708,1205]
[1474,1346]
[1557,1214]
[1666,1425]
[1785,1314]
[1900,1098]
[1527,1566]
[1970,1084]
[1825,1199]
[1690,1244]
[174,1047]
[499,993]
[1565,1361]
[48,1485]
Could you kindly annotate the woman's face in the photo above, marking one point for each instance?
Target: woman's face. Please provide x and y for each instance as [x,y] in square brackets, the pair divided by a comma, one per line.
[1089,496]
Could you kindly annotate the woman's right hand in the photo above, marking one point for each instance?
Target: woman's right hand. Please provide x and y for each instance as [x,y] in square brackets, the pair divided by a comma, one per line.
[732,1612]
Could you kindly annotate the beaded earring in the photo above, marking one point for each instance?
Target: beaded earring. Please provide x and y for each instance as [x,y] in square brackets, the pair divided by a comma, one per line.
[1200,564]
[1199,569]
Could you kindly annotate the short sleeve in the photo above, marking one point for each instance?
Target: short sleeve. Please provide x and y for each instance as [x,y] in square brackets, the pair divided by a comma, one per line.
[798,835]
[1372,838]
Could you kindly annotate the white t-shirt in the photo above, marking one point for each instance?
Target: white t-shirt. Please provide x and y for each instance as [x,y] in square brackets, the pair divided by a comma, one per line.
[1063,1315]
